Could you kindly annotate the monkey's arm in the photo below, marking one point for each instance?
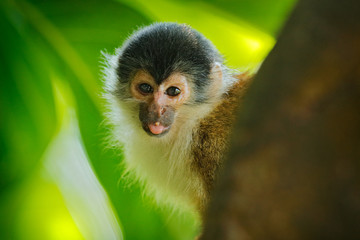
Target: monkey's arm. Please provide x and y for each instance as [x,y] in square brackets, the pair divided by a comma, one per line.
[210,141]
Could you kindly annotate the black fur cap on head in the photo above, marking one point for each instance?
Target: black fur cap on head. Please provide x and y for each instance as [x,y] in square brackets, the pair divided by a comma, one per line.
[163,48]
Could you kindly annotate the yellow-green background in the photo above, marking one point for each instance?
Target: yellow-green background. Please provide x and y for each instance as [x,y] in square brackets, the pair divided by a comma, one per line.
[58,177]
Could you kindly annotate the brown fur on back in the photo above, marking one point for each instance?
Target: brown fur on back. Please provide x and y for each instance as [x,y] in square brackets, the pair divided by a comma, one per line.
[211,140]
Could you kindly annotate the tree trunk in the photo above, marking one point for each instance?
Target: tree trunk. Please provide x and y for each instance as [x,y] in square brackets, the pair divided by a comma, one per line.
[294,168]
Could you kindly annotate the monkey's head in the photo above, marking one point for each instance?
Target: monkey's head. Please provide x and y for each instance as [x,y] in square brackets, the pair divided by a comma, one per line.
[165,67]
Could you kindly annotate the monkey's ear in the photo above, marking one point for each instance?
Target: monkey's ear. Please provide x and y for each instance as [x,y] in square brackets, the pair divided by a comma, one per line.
[216,77]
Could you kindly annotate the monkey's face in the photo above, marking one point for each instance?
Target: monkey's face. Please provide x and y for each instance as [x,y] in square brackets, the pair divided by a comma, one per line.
[159,103]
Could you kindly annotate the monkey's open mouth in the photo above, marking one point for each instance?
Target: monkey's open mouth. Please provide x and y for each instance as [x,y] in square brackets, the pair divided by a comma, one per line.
[156,129]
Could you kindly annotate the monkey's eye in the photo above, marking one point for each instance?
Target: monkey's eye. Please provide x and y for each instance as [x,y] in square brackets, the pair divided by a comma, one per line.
[145,88]
[173,91]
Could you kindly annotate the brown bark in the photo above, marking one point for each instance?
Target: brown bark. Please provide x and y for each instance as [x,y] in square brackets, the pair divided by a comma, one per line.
[294,168]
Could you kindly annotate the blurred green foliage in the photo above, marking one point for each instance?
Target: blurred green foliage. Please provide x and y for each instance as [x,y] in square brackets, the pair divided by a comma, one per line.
[50,53]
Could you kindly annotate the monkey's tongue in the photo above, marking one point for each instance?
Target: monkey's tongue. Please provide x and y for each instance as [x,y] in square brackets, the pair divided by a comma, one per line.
[156,129]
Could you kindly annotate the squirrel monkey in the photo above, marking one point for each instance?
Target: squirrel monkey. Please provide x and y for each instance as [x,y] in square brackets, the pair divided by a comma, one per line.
[171,104]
